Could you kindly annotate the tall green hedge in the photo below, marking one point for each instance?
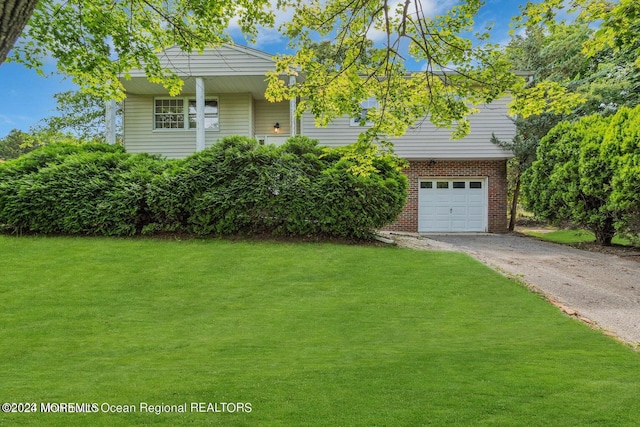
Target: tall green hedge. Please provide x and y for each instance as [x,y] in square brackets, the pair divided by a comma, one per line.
[237,186]
[240,187]
[588,172]
[621,151]
[77,189]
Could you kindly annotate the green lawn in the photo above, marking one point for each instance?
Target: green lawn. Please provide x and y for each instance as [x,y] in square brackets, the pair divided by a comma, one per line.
[574,237]
[307,334]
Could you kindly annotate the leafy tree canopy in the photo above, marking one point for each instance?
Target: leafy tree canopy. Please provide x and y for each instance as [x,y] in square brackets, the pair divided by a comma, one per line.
[619,22]
[17,142]
[81,114]
[459,66]
[554,50]
[98,41]
[14,145]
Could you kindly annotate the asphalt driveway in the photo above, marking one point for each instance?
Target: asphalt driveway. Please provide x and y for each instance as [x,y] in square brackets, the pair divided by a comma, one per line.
[600,289]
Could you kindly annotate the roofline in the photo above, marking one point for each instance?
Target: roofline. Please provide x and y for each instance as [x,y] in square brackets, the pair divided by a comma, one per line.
[237,47]
[269,57]
[250,51]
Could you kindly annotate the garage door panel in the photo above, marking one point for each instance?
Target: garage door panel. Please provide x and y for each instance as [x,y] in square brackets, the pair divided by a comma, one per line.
[475,226]
[441,226]
[458,211]
[442,210]
[475,211]
[458,226]
[459,199]
[452,205]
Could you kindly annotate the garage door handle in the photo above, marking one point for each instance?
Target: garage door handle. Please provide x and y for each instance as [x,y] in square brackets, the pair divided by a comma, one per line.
[451,210]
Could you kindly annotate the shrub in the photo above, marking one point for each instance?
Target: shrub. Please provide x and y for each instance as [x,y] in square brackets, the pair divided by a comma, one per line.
[569,181]
[76,189]
[588,172]
[237,186]
[621,150]
[240,187]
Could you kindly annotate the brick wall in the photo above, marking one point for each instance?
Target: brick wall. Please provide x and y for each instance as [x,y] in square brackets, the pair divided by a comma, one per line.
[494,170]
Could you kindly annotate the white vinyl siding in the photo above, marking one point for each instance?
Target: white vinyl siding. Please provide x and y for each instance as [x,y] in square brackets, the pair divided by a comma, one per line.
[270,113]
[426,141]
[235,116]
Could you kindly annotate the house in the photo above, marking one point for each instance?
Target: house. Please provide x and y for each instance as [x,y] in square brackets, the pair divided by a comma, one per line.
[455,186]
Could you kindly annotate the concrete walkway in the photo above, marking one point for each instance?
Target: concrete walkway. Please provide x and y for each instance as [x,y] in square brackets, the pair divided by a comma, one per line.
[600,289]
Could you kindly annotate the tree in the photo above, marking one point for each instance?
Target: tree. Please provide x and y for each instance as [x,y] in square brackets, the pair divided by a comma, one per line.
[81,114]
[619,22]
[331,55]
[17,13]
[570,180]
[588,172]
[554,58]
[621,148]
[554,53]
[460,69]
[97,41]
[612,79]
[524,152]
[15,144]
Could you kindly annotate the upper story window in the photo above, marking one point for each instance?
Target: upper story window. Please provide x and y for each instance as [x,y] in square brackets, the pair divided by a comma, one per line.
[180,113]
[366,106]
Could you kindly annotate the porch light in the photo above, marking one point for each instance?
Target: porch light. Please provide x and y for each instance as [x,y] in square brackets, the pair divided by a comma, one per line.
[276,128]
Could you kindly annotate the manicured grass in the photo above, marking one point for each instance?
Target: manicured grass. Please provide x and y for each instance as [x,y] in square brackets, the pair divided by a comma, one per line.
[573,237]
[308,334]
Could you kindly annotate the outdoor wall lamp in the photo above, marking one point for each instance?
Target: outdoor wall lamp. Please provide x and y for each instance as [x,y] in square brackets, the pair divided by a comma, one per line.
[276,128]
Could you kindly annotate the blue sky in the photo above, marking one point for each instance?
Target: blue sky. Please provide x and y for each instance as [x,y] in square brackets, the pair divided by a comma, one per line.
[28,97]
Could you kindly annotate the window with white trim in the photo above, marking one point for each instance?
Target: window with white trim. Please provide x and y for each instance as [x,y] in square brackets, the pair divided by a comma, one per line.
[366,106]
[169,114]
[180,113]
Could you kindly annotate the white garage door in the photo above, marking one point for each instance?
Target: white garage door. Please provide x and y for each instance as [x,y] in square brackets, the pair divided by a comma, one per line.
[452,205]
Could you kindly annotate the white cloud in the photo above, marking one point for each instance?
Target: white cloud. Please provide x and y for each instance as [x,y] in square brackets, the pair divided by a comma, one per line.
[6,120]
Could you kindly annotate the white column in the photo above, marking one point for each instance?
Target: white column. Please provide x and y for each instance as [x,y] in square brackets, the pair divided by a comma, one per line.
[292,109]
[200,114]
[110,121]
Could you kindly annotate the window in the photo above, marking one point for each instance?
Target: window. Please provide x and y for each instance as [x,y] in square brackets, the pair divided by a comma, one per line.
[180,113]
[442,184]
[426,184]
[366,106]
[458,185]
[475,184]
[210,114]
[169,114]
